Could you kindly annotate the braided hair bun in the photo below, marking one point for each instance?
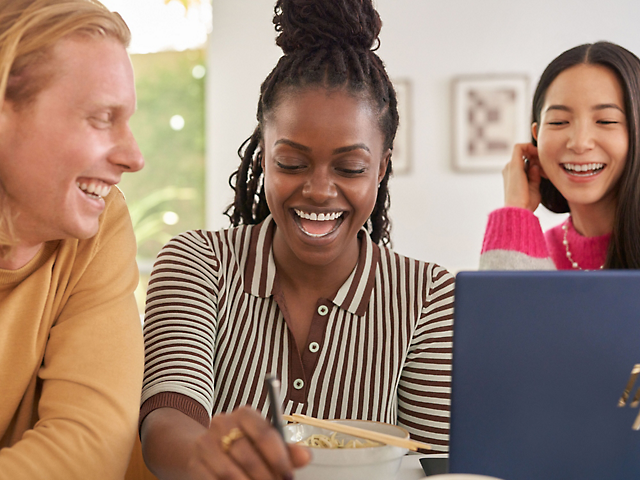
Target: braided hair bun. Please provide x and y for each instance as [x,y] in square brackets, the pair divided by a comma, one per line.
[312,24]
[328,44]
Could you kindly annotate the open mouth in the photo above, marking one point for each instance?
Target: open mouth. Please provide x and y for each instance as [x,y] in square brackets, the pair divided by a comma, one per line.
[94,189]
[318,224]
[583,169]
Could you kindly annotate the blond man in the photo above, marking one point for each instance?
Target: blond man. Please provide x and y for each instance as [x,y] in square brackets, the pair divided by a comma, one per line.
[70,339]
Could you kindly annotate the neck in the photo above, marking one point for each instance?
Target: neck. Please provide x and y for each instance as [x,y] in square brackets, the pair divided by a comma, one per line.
[322,280]
[319,281]
[19,256]
[593,220]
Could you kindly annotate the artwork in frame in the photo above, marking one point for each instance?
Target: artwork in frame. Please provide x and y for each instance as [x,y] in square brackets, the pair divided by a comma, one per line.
[490,116]
[401,144]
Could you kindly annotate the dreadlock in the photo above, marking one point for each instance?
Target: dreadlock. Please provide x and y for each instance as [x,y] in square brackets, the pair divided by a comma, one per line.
[326,43]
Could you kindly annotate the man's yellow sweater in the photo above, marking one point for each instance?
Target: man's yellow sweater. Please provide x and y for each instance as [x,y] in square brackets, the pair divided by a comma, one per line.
[71,356]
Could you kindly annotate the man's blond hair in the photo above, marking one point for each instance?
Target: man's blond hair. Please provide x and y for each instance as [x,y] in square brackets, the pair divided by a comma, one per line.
[29,29]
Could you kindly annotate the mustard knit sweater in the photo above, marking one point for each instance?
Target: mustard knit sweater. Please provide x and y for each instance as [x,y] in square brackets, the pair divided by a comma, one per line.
[71,356]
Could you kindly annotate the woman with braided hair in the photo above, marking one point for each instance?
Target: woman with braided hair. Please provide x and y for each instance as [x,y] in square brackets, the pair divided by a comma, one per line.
[304,285]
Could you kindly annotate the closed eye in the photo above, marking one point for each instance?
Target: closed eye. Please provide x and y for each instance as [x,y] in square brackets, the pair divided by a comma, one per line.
[350,171]
[101,121]
[289,167]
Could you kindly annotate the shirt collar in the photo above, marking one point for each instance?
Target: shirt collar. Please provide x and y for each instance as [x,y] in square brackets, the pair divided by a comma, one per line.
[260,269]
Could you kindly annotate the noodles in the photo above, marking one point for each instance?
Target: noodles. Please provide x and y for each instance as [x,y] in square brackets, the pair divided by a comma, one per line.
[325,441]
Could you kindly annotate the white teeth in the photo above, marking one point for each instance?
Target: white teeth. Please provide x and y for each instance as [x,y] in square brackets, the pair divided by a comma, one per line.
[585,167]
[320,217]
[94,189]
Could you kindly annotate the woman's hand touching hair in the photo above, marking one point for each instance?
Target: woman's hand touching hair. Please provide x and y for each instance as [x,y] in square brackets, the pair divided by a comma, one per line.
[522,178]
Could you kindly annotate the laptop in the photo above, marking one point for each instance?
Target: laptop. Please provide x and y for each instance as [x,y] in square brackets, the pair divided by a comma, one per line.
[541,364]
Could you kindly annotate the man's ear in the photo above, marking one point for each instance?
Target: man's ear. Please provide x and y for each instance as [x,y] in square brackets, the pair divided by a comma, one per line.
[7,111]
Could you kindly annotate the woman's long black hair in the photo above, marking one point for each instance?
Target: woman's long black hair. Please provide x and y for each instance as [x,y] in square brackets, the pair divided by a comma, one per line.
[329,44]
[624,247]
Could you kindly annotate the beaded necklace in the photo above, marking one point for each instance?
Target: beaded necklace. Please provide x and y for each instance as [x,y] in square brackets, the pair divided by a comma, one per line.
[565,242]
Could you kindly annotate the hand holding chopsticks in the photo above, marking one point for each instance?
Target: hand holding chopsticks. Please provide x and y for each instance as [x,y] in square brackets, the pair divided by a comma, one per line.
[359,432]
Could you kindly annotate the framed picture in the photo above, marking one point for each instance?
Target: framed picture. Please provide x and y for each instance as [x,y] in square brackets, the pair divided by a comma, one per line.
[401,146]
[490,116]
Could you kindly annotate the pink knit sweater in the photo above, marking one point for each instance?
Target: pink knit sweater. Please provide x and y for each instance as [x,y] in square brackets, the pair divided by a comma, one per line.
[514,240]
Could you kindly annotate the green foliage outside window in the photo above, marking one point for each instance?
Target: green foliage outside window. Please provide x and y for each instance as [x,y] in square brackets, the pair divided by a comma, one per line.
[167,196]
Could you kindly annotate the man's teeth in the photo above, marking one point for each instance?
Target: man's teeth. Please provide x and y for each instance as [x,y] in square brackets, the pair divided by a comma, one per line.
[320,217]
[94,189]
[585,167]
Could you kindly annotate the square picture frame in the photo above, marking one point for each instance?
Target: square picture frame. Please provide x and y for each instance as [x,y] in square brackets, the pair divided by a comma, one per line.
[490,114]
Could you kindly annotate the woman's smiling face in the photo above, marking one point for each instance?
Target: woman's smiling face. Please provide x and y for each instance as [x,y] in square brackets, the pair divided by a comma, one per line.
[323,160]
[582,136]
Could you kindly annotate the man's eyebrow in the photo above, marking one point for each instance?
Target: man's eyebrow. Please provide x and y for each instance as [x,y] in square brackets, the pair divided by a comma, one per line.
[350,148]
[114,108]
[295,145]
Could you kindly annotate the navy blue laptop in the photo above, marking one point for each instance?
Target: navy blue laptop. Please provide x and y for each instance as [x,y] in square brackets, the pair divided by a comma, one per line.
[541,364]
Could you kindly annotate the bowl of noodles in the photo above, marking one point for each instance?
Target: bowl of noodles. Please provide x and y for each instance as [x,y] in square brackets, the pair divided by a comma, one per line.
[338,456]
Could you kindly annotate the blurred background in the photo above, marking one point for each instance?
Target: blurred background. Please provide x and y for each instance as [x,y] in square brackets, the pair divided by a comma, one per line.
[168,52]
[199,65]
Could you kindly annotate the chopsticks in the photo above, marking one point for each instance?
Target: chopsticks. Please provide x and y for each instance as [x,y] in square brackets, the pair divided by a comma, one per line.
[358,432]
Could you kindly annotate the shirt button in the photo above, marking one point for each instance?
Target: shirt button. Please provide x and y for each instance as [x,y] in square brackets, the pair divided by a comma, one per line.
[298,384]
[323,310]
[314,347]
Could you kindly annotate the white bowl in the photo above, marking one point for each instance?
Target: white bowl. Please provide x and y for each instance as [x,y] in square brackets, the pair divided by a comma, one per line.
[366,463]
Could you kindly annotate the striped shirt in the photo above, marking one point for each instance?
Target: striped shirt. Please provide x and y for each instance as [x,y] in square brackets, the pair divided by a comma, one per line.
[216,324]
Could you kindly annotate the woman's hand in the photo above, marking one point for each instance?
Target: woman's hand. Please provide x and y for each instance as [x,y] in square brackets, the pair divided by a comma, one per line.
[522,178]
[243,445]
[237,446]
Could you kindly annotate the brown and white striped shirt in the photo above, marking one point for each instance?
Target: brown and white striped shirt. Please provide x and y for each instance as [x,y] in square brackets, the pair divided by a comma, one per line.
[216,324]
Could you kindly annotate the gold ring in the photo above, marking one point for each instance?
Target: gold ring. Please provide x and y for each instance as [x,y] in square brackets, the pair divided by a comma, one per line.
[233,435]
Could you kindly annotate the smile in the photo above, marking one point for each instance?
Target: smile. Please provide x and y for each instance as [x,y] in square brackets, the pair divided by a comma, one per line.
[94,188]
[584,169]
[318,225]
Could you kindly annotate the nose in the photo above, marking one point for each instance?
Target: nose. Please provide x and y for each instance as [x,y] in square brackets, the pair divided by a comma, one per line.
[127,154]
[319,187]
[580,137]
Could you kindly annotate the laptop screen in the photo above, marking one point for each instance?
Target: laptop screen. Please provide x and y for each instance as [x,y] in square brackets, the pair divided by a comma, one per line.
[540,363]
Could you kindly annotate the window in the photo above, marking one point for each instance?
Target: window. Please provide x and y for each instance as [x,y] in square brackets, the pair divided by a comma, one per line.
[168,56]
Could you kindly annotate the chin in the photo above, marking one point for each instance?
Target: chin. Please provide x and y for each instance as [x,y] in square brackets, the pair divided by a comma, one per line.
[85,232]
[319,260]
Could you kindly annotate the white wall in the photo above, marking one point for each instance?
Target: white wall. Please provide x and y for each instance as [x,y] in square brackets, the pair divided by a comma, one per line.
[438,214]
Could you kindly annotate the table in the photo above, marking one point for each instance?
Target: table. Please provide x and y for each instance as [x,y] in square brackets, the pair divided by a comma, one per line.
[410,469]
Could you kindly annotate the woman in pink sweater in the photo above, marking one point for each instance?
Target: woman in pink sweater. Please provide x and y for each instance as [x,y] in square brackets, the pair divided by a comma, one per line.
[583,159]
